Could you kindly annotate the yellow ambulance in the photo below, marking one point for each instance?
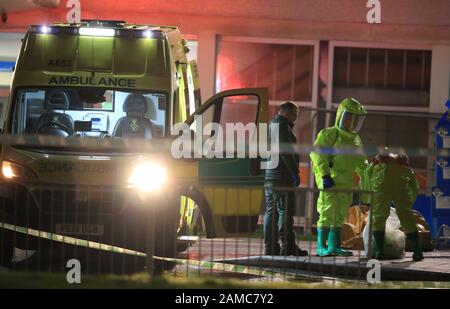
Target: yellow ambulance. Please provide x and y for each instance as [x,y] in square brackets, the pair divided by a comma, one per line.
[98,84]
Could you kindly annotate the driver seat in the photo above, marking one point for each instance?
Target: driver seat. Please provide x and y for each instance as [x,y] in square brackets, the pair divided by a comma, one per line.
[134,124]
[50,122]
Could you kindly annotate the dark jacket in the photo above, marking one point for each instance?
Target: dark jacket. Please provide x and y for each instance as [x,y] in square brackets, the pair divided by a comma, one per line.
[288,161]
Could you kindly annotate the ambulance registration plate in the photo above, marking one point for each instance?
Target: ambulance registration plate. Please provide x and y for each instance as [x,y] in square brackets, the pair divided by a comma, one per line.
[79,229]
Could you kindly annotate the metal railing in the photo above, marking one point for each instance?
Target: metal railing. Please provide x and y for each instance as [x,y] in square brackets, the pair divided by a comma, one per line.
[116,229]
[111,231]
[247,250]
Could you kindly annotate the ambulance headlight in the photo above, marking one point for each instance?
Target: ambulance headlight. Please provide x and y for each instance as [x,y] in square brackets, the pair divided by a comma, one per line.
[12,170]
[147,177]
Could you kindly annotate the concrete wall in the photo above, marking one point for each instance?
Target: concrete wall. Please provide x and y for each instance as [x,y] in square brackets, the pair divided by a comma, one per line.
[424,23]
[413,21]
[410,12]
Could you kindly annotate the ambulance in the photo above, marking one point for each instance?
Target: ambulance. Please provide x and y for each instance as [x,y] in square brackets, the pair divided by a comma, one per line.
[92,86]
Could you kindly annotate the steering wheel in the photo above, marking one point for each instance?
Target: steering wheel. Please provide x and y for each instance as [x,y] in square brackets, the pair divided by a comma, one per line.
[54,125]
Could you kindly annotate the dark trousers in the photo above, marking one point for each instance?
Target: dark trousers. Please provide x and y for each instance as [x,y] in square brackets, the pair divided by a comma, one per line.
[279,216]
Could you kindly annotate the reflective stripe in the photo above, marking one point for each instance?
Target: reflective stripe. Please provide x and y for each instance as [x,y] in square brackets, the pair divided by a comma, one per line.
[99,246]
[70,240]
[217,265]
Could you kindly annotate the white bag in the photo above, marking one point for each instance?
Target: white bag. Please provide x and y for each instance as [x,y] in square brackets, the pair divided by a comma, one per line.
[394,239]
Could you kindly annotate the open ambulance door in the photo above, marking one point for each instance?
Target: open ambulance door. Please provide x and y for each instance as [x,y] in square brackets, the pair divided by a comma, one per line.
[231,186]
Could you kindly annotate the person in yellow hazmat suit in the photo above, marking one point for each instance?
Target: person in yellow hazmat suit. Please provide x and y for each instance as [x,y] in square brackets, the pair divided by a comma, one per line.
[335,170]
[392,181]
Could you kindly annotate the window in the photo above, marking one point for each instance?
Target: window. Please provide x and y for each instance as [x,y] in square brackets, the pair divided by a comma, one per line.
[235,112]
[385,77]
[397,131]
[85,112]
[239,109]
[286,70]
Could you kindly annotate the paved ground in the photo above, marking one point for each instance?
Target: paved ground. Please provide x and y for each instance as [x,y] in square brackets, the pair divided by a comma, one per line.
[249,252]
[435,266]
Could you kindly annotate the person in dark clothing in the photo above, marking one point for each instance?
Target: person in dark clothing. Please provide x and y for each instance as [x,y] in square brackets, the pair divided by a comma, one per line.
[279,215]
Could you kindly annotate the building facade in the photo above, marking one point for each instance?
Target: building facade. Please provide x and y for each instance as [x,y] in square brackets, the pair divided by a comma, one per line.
[312,52]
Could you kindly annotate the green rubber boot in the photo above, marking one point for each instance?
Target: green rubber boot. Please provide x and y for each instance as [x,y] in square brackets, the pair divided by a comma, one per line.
[334,243]
[378,237]
[417,249]
[322,235]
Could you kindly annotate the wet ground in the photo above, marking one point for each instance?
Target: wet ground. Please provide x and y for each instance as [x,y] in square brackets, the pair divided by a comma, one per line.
[249,252]
[243,259]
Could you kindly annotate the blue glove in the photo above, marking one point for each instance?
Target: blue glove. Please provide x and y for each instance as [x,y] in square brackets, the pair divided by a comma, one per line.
[296,179]
[327,182]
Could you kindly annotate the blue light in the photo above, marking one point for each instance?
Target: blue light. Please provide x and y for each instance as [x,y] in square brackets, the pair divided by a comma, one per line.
[7,66]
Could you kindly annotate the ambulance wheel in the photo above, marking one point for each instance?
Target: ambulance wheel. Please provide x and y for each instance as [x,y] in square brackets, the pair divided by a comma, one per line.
[165,239]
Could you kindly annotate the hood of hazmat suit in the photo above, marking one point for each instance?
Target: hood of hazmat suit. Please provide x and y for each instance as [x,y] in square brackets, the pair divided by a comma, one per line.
[344,134]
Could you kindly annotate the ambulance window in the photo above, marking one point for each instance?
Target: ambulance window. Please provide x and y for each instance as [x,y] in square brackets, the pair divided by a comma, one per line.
[231,111]
[28,108]
[237,111]
[65,111]
[138,113]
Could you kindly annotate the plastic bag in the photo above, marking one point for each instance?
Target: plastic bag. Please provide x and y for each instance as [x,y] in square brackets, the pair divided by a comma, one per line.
[394,239]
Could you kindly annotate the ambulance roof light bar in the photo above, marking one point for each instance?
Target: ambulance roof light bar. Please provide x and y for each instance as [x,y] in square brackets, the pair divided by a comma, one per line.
[45,29]
[88,31]
[99,31]
[102,23]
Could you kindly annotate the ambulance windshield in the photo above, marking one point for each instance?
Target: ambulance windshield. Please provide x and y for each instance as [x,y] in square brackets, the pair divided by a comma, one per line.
[89,112]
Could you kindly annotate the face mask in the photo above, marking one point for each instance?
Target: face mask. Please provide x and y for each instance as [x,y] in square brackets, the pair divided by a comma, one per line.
[350,122]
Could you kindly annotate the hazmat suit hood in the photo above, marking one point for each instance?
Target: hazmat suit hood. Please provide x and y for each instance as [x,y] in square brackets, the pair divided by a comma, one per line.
[350,116]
